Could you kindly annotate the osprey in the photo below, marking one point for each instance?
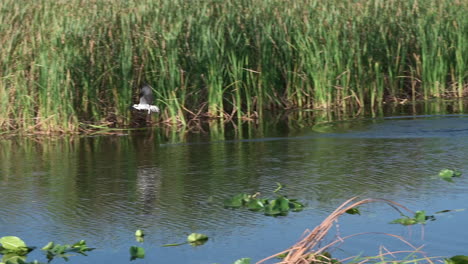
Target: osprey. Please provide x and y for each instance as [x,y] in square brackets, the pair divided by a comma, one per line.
[146,100]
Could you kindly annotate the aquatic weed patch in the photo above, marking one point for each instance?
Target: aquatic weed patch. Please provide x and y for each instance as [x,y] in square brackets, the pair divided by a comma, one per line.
[281,205]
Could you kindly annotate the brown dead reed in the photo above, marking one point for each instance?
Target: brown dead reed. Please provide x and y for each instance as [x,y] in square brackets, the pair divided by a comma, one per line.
[307,250]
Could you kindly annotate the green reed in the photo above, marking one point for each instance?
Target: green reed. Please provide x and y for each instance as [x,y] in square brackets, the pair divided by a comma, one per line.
[68,62]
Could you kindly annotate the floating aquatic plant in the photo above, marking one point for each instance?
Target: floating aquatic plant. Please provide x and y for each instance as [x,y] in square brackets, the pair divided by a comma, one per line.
[136,252]
[448,175]
[279,206]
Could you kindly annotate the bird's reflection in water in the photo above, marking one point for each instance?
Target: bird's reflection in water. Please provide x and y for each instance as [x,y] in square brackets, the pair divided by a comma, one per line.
[148,185]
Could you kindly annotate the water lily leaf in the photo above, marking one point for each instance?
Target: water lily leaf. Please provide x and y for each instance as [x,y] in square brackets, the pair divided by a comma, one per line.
[196,239]
[242,261]
[404,221]
[12,242]
[62,251]
[459,259]
[49,245]
[81,244]
[447,174]
[420,217]
[139,233]
[353,211]
[295,206]
[273,208]
[13,259]
[237,201]
[136,252]
[284,204]
[255,205]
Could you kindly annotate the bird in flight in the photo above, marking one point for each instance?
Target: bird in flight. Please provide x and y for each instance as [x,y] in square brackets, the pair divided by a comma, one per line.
[146,100]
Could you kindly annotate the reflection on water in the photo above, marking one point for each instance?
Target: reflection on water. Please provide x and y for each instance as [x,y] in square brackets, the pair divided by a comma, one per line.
[104,188]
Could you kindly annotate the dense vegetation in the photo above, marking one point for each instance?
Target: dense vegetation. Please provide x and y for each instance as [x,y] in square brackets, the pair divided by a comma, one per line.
[64,63]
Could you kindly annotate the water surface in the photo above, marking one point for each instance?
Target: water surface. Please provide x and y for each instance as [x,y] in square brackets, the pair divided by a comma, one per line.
[103,188]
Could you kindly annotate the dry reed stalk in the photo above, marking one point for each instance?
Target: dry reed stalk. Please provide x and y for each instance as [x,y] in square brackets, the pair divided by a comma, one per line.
[304,251]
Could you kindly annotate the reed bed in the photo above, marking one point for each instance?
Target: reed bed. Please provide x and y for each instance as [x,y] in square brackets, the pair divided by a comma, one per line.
[64,63]
[309,250]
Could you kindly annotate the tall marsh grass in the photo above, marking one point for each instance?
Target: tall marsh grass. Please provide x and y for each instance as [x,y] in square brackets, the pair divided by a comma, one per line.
[67,62]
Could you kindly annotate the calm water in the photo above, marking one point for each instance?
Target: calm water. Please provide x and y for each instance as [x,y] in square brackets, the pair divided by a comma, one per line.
[103,188]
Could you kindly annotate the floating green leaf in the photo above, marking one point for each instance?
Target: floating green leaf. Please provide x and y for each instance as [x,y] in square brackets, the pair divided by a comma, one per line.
[279,206]
[295,206]
[273,208]
[13,259]
[136,252]
[12,243]
[255,205]
[404,221]
[139,233]
[447,174]
[420,217]
[64,251]
[353,211]
[49,245]
[242,261]
[459,259]
[237,201]
[196,239]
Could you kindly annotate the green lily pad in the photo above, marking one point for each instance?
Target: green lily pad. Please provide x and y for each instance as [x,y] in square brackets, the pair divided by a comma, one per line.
[242,261]
[295,206]
[13,259]
[136,252]
[404,221]
[459,259]
[12,242]
[139,233]
[255,205]
[196,239]
[237,201]
[353,211]
[447,174]
[49,245]
[420,217]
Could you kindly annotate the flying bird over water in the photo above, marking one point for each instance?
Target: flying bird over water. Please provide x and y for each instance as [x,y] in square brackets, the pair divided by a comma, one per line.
[146,100]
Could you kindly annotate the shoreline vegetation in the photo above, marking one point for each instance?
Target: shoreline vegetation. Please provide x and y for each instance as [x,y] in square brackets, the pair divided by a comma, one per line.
[66,66]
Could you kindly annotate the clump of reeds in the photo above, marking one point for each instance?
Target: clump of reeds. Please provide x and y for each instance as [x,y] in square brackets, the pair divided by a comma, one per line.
[308,249]
[66,62]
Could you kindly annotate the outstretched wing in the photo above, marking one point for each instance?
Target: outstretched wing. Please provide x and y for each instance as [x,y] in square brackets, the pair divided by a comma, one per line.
[146,95]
